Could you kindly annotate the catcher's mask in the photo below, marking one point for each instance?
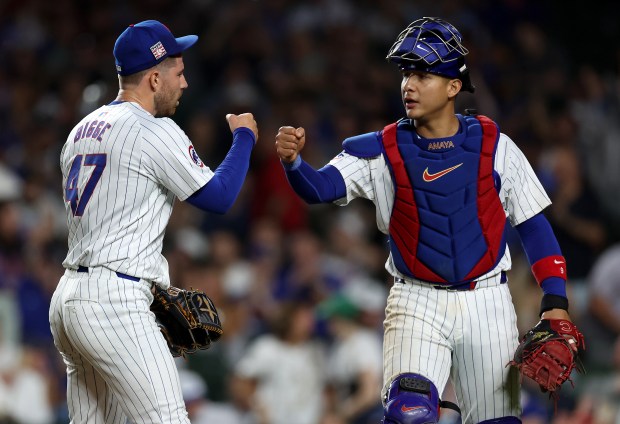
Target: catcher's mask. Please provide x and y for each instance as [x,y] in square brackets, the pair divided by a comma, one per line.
[432,45]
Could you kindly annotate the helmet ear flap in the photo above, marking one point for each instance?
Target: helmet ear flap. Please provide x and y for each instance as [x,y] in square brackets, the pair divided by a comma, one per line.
[466,79]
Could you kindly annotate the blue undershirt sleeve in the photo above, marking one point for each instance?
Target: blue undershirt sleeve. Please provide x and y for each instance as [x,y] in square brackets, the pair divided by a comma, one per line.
[539,241]
[219,194]
[322,186]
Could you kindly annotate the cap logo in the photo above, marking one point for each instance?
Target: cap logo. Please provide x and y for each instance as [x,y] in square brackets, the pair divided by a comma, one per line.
[158,50]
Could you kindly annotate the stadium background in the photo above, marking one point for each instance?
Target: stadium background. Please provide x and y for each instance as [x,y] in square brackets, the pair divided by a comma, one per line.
[548,72]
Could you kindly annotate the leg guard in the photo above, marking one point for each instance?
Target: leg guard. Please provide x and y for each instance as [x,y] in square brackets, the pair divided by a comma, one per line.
[411,399]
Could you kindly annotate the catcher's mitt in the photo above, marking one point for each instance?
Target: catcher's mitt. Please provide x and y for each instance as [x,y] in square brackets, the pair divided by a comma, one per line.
[546,353]
[187,319]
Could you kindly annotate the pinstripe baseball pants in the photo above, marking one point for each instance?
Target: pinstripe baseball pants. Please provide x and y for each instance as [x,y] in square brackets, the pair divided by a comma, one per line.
[118,364]
[468,336]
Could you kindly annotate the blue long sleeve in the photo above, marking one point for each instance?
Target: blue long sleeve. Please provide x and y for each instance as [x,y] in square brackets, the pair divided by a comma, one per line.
[322,186]
[539,241]
[219,194]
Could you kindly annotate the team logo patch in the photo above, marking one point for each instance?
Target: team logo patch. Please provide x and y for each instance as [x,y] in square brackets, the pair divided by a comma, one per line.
[158,50]
[195,157]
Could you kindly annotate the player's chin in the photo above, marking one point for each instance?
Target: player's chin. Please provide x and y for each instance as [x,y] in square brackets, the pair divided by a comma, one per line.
[412,110]
[173,108]
[166,113]
[413,113]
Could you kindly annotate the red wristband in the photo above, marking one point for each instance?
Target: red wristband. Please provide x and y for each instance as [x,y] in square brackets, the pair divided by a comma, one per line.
[549,266]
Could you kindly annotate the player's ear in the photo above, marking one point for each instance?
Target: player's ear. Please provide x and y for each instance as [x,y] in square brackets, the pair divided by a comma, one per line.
[454,87]
[154,80]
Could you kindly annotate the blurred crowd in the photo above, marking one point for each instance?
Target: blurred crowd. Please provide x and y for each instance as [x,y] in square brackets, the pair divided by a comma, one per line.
[302,289]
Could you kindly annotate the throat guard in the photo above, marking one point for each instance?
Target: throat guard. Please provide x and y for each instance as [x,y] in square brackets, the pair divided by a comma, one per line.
[447,223]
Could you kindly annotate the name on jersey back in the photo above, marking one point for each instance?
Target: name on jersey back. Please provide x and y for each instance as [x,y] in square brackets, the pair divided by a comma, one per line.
[94,129]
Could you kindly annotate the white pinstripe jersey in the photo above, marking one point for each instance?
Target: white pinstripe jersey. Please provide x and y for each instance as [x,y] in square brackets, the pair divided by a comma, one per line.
[122,169]
[521,194]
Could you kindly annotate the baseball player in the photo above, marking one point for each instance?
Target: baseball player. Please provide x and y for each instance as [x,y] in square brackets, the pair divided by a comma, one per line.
[444,186]
[123,166]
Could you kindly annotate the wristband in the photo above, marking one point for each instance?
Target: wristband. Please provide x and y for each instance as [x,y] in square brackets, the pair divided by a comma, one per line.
[549,266]
[552,301]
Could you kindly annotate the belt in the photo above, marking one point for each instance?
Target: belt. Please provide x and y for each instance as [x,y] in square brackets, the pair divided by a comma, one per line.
[119,274]
[470,285]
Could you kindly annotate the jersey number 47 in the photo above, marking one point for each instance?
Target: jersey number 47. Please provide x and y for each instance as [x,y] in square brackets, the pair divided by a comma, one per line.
[78,202]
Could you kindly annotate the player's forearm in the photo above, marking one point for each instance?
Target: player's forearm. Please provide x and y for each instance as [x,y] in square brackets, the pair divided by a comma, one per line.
[219,194]
[539,243]
[322,186]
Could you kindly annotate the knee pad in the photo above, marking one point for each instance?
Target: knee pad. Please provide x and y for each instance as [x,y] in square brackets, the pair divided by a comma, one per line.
[411,399]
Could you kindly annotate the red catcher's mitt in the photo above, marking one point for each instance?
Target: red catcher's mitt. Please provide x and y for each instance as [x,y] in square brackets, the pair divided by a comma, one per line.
[546,353]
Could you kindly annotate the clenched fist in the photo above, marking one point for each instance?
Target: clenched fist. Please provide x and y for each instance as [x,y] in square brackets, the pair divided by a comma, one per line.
[289,142]
[243,120]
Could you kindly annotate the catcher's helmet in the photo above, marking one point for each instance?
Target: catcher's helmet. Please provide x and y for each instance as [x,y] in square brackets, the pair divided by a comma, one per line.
[432,45]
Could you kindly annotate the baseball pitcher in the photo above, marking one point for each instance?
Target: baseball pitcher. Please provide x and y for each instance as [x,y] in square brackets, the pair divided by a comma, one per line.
[123,167]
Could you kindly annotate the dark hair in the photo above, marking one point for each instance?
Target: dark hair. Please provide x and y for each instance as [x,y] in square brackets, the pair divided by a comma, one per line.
[134,79]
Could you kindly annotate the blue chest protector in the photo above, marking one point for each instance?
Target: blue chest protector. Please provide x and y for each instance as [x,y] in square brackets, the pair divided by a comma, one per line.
[447,223]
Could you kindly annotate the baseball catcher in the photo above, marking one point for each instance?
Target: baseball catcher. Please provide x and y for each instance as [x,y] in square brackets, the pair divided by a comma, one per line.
[548,353]
[187,319]
[444,186]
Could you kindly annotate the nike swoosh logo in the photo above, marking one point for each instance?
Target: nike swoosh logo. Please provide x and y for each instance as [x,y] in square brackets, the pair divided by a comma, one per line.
[555,261]
[409,408]
[428,177]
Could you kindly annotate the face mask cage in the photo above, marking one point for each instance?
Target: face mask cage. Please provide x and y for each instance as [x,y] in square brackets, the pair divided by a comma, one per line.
[431,45]
[430,40]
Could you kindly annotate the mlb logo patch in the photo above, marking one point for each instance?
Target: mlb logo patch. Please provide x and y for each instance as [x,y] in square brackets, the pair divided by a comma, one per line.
[337,158]
[158,50]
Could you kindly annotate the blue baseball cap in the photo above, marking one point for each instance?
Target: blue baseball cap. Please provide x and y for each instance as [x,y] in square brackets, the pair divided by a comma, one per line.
[143,45]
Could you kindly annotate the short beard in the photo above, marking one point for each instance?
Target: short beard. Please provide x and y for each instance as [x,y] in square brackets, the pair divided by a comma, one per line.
[165,105]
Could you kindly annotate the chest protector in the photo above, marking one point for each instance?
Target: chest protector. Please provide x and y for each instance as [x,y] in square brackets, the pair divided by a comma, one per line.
[447,223]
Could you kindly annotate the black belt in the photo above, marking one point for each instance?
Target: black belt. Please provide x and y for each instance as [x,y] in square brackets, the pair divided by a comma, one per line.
[459,287]
[119,274]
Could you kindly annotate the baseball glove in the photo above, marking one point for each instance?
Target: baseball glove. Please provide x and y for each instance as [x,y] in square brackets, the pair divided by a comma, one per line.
[187,319]
[546,353]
